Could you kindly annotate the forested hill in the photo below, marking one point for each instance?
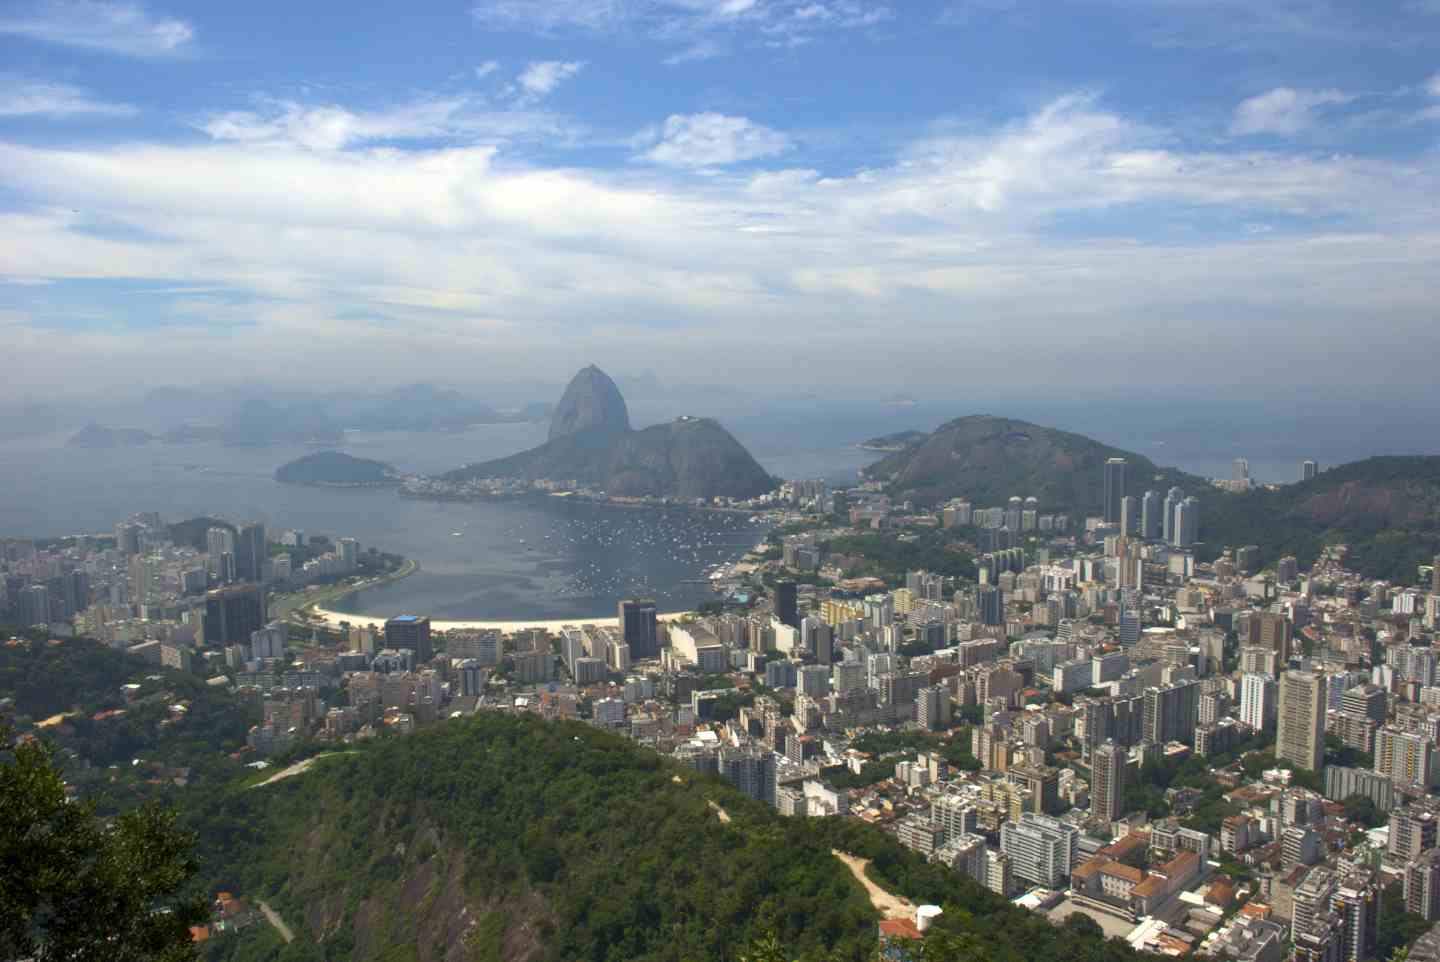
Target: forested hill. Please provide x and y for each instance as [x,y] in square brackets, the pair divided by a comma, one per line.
[1386,509]
[335,467]
[990,459]
[511,838]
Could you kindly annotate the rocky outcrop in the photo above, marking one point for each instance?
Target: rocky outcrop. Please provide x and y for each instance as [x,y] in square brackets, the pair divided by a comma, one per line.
[591,402]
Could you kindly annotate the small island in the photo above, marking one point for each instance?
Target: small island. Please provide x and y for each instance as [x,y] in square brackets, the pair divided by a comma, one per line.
[899,441]
[338,469]
[98,436]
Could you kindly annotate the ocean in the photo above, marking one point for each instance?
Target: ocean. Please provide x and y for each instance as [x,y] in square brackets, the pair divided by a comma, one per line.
[544,558]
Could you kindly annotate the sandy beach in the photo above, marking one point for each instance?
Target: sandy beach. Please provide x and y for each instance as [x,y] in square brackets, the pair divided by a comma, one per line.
[334,618]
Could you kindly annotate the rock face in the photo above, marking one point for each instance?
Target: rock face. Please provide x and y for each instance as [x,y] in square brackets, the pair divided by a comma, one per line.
[989,459]
[591,442]
[591,402]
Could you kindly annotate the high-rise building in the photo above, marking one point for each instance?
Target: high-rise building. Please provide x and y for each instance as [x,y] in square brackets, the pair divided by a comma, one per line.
[411,632]
[1300,735]
[786,607]
[1130,515]
[1173,497]
[220,545]
[638,627]
[127,538]
[932,707]
[250,552]
[1172,712]
[1422,886]
[1258,696]
[233,613]
[1407,758]
[1240,472]
[1150,508]
[1308,470]
[1107,781]
[818,638]
[1186,526]
[1041,849]
[991,604]
[1115,478]
[1412,832]
[1356,900]
[32,605]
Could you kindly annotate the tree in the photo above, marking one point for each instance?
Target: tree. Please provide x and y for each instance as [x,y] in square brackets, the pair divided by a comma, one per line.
[73,888]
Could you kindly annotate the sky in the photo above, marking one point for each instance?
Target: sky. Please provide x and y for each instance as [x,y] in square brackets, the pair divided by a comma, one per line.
[845,197]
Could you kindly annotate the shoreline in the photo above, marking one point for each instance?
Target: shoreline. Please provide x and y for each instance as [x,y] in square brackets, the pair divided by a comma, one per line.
[333,619]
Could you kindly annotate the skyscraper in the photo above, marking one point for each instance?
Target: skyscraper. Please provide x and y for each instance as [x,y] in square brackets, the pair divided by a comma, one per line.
[1308,470]
[1186,526]
[1115,471]
[1257,701]
[127,538]
[1300,735]
[412,632]
[220,545]
[1150,507]
[1241,473]
[250,552]
[1173,497]
[1107,784]
[786,607]
[991,602]
[638,627]
[1172,712]
[1130,515]
[233,613]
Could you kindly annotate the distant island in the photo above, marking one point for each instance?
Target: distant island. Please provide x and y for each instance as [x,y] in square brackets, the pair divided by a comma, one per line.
[592,444]
[891,443]
[336,468]
[98,436]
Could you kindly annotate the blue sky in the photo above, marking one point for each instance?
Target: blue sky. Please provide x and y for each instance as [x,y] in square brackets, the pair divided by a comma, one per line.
[831,195]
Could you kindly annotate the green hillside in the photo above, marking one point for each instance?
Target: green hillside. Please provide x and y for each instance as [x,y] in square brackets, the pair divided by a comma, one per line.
[1386,509]
[511,838]
[989,459]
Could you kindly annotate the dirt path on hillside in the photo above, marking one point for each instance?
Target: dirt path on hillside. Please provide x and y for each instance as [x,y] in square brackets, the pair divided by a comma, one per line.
[890,906]
[273,917]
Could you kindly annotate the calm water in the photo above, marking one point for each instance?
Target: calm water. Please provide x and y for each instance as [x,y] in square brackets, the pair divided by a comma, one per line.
[533,559]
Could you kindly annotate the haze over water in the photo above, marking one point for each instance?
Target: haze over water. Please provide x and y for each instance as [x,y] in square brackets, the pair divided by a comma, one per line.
[539,559]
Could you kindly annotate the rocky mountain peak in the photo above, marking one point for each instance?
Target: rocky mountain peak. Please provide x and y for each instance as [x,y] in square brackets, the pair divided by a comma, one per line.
[590,401]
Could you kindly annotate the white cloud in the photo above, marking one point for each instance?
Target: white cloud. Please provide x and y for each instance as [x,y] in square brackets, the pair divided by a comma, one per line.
[1433,86]
[714,140]
[486,69]
[1283,110]
[539,268]
[20,97]
[116,27]
[541,77]
[330,127]
[697,26]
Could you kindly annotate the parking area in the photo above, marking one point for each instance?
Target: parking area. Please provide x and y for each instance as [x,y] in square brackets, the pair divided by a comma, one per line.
[1109,924]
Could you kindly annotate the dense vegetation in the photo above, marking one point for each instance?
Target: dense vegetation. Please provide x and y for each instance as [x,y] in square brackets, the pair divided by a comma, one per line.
[511,837]
[120,751]
[75,888]
[889,556]
[1387,510]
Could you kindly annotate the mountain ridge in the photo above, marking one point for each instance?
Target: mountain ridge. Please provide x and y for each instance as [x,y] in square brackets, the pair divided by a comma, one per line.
[591,442]
[989,458]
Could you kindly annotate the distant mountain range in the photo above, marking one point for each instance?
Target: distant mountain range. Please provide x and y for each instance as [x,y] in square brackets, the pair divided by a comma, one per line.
[304,419]
[591,441]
